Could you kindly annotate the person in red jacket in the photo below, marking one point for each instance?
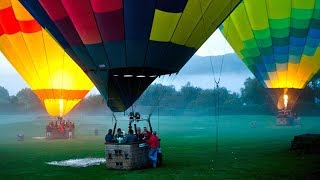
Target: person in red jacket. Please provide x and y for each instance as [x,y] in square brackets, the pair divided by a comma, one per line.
[146,134]
[61,129]
[153,143]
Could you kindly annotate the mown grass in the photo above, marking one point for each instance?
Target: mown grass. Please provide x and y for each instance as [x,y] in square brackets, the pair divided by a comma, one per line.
[188,144]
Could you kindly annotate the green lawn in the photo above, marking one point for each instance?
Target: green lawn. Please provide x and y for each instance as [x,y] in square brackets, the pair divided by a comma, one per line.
[188,144]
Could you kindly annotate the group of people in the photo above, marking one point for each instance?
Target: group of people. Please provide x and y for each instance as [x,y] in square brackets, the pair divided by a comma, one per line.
[287,113]
[122,137]
[144,136]
[288,118]
[60,129]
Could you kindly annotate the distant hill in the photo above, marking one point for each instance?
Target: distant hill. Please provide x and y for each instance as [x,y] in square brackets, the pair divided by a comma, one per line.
[198,72]
[198,65]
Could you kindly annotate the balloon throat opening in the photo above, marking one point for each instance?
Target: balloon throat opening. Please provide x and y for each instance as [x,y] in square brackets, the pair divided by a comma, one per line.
[126,85]
[285,98]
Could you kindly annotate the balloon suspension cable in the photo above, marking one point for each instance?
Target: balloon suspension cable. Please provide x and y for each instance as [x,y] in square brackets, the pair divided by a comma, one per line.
[294,101]
[217,113]
[156,96]
[112,120]
[216,80]
[158,123]
[132,108]
[115,124]
[148,120]
[217,92]
[162,93]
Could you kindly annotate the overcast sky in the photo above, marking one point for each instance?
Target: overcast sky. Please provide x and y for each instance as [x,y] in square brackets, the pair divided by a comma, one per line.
[215,45]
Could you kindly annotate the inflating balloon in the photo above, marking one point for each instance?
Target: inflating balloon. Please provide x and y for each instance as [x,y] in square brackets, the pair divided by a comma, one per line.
[50,72]
[123,45]
[277,40]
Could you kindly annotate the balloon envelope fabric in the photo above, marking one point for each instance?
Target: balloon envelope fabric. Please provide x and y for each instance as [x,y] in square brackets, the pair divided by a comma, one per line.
[277,39]
[50,72]
[123,45]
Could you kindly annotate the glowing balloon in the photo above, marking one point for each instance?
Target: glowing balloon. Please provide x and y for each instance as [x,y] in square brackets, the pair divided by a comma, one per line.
[123,45]
[54,77]
[278,40]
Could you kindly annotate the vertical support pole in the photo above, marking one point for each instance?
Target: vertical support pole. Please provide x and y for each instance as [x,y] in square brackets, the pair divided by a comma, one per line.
[135,128]
[149,122]
[217,116]
[115,125]
[158,122]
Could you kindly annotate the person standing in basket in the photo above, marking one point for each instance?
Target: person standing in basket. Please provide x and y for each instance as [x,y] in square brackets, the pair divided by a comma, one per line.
[153,143]
[108,138]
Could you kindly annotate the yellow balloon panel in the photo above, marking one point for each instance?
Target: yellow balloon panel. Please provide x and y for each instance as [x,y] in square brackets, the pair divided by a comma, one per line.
[60,106]
[50,72]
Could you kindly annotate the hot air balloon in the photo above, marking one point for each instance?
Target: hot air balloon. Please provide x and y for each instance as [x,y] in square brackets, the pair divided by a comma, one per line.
[50,72]
[279,42]
[124,45]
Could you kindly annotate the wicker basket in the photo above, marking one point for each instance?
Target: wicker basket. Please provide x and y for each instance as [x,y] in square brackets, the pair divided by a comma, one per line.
[126,156]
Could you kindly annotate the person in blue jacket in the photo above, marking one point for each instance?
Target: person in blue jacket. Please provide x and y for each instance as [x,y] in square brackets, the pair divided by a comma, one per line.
[109,136]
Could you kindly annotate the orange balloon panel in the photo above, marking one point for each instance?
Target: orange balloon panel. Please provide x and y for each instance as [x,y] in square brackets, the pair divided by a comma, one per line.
[56,79]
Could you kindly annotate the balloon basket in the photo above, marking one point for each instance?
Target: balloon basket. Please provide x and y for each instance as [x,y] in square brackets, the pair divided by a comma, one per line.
[286,118]
[60,135]
[128,156]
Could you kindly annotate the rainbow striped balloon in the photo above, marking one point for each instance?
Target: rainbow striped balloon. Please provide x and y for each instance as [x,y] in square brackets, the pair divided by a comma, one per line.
[277,39]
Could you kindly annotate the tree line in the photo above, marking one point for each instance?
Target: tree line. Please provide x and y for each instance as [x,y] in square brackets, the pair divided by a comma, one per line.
[252,99]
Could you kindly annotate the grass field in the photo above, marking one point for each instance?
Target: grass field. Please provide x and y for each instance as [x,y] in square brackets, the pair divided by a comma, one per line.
[188,144]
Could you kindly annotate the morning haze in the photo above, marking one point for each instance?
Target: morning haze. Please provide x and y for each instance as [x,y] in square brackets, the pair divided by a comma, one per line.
[234,131]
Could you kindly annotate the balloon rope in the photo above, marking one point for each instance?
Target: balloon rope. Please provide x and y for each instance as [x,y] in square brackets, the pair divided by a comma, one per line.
[223,56]
[158,123]
[162,94]
[155,93]
[217,109]
[216,80]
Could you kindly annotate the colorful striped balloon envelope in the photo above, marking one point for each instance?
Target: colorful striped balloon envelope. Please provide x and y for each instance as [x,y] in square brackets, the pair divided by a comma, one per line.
[277,39]
[123,45]
[50,72]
